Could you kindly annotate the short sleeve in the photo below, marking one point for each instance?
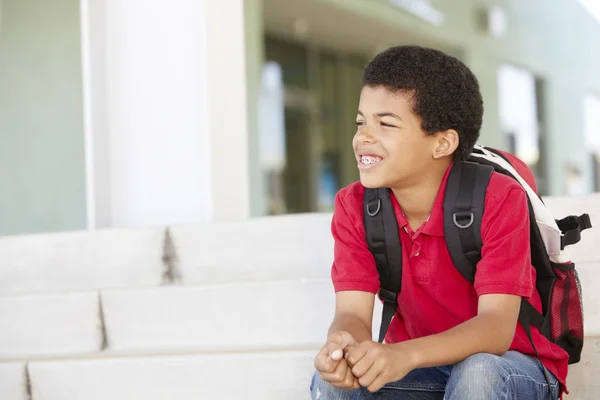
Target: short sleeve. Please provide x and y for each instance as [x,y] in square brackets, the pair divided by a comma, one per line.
[353,266]
[505,267]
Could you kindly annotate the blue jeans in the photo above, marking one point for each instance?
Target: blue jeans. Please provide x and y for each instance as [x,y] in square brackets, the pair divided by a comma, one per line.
[514,376]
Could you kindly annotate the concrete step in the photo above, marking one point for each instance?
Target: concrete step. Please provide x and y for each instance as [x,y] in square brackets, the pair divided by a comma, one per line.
[260,249]
[267,315]
[274,248]
[221,317]
[583,379]
[81,261]
[257,376]
[156,313]
[251,375]
[286,247]
[225,317]
[49,325]
[13,381]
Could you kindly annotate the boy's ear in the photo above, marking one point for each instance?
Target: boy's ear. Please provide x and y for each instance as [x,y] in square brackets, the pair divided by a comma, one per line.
[446,143]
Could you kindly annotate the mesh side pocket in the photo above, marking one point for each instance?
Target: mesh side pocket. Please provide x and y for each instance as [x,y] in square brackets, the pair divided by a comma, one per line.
[566,308]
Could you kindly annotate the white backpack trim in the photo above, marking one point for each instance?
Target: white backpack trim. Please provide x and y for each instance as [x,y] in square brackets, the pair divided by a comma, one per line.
[549,230]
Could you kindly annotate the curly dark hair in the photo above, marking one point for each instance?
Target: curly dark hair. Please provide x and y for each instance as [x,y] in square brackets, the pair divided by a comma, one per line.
[445,92]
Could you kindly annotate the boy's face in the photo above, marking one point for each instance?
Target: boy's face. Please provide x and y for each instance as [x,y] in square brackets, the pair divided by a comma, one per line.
[391,148]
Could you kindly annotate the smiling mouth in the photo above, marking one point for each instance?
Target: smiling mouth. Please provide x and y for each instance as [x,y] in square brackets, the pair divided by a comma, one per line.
[368,161]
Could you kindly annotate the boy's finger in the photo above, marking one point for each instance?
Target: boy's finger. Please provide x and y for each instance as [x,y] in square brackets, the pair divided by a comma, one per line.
[337,354]
[335,351]
[347,351]
[324,363]
[337,376]
[355,354]
[343,339]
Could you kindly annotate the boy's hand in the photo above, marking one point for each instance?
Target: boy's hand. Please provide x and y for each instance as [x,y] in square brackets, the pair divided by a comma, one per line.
[331,364]
[376,364]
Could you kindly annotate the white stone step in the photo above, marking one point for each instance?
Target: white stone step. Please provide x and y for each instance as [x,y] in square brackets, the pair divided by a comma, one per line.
[283,247]
[264,376]
[49,325]
[79,261]
[260,249]
[589,275]
[255,315]
[254,376]
[583,377]
[276,315]
[221,317]
[13,384]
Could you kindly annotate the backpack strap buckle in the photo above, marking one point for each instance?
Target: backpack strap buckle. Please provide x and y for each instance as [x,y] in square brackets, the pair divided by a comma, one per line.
[571,228]
[373,207]
[584,221]
[466,219]
[388,296]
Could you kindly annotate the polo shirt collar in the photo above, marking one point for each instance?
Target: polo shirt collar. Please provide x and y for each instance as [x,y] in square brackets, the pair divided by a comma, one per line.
[434,225]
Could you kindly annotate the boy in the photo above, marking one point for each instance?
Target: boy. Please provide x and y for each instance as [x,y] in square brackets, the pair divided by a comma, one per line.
[421,110]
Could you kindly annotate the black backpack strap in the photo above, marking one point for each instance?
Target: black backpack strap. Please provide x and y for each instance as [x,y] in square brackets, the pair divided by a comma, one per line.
[463,213]
[528,317]
[381,228]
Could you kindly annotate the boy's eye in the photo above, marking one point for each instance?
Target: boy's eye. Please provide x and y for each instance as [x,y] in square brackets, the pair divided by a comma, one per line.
[387,125]
[359,123]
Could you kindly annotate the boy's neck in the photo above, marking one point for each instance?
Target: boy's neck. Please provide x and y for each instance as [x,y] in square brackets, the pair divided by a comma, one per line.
[416,201]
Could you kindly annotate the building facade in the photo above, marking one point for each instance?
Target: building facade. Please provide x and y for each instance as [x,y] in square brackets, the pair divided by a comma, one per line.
[133,113]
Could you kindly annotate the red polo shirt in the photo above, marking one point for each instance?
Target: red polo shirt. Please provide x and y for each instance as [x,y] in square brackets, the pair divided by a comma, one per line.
[435,297]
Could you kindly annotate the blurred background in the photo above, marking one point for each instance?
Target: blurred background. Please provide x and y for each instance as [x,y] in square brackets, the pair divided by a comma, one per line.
[141,140]
[119,113]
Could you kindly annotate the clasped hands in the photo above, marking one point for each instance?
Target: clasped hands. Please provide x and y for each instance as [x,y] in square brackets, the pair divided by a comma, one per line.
[346,364]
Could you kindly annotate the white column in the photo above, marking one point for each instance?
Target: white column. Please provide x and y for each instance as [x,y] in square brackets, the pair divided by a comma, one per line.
[166,119]
[227,109]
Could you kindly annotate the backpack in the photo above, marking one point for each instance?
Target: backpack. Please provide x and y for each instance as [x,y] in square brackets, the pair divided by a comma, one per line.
[561,320]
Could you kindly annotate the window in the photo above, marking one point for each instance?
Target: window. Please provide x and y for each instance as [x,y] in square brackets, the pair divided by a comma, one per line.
[592,7]
[591,115]
[518,112]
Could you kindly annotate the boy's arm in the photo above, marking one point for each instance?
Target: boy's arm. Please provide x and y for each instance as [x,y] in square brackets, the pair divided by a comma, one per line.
[355,280]
[351,325]
[491,331]
[354,273]
[353,314]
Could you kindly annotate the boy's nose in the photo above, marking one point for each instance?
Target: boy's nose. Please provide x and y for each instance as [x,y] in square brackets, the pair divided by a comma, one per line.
[364,135]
